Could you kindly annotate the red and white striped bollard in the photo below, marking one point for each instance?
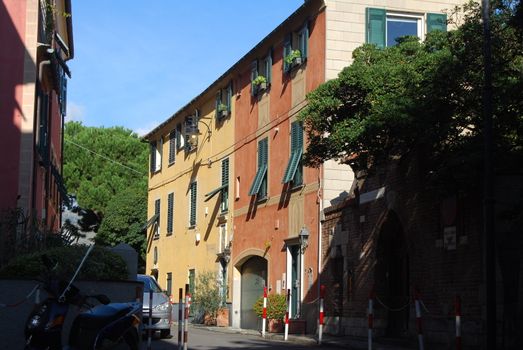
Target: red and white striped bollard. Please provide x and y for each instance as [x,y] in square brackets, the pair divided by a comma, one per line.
[180,318]
[264,315]
[320,327]
[186,323]
[286,334]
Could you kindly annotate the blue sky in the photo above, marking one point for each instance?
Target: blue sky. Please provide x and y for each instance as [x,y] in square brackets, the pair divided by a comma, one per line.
[137,62]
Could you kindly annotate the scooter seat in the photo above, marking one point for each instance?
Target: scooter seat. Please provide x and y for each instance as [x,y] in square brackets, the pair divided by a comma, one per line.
[102,315]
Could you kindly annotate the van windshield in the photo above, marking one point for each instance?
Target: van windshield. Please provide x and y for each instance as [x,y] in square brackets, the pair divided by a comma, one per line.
[149,284]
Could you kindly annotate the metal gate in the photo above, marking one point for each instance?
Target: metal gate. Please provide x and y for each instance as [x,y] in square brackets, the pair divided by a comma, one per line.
[254,277]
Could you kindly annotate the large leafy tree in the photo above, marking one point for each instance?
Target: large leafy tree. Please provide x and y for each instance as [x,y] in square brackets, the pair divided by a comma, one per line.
[106,169]
[424,98]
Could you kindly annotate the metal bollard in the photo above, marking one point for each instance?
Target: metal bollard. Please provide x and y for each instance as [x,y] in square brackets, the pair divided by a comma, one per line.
[264,316]
[180,318]
[286,334]
[320,328]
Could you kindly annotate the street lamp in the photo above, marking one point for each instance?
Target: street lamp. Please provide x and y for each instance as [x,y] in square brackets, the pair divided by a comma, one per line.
[192,131]
[304,238]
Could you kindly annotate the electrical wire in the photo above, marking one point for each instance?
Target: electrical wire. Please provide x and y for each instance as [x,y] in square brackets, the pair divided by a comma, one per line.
[104,157]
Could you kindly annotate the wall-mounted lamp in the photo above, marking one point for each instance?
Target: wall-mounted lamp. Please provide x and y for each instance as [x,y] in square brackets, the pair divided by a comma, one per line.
[192,131]
[304,238]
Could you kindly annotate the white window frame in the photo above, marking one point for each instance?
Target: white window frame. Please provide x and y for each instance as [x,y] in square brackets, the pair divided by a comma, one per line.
[158,161]
[409,16]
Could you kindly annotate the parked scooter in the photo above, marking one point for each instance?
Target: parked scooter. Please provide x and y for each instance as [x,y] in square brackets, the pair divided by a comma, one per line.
[104,326]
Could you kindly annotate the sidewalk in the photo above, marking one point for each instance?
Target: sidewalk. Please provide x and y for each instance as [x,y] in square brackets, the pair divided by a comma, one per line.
[346,342]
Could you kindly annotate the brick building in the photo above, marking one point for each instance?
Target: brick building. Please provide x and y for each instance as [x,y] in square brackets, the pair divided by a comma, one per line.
[37,41]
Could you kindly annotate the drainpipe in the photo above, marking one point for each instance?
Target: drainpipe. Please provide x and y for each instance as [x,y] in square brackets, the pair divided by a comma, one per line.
[320,211]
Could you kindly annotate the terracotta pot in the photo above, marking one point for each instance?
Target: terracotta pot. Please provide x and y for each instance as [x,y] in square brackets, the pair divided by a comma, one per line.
[275,326]
[208,320]
[222,318]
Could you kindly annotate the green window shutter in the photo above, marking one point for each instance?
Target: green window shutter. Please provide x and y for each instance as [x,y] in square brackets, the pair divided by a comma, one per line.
[254,75]
[218,102]
[436,21]
[293,170]
[268,67]
[304,41]
[157,214]
[172,146]
[260,177]
[170,216]
[153,156]
[225,171]
[287,48]
[376,20]
[225,185]
[192,215]
[229,97]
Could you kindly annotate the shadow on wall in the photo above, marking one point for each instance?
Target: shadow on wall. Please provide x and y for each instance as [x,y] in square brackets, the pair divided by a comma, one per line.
[13,56]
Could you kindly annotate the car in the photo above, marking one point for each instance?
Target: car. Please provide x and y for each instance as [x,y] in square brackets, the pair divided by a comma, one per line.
[162,308]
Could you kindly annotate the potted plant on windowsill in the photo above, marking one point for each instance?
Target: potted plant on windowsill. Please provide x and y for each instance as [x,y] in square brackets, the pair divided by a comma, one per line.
[260,82]
[293,59]
[276,308]
[223,110]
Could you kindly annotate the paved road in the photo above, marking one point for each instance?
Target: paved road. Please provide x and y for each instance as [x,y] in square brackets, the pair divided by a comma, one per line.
[201,338]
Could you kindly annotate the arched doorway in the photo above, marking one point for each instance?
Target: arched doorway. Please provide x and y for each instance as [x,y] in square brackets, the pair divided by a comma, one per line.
[254,278]
[392,275]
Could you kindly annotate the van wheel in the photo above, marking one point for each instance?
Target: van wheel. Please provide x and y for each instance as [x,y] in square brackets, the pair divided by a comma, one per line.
[165,333]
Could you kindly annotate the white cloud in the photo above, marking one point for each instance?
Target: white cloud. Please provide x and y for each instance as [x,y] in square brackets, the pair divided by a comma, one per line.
[75,112]
[142,131]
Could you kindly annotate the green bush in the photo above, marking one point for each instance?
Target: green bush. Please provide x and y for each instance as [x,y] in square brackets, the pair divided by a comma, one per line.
[207,298]
[101,264]
[276,306]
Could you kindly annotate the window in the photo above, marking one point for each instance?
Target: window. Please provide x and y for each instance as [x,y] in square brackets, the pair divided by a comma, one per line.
[259,185]
[267,67]
[169,284]
[156,155]
[294,170]
[223,102]
[170,212]
[157,214]
[172,147]
[296,48]
[384,28]
[180,139]
[223,189]
[191,127]
[192,207]
[225,185]
[222,244]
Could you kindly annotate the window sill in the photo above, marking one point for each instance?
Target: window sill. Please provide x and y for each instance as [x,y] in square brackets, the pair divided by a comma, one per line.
[156,236]
[169,234]
[262,200]
[296,188]
[171,163]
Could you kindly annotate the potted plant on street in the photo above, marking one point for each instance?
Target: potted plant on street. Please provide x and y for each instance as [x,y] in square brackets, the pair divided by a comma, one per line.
[207,298]
[276,308]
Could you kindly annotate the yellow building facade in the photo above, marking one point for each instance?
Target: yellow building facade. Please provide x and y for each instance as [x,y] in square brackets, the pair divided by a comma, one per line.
[189,201]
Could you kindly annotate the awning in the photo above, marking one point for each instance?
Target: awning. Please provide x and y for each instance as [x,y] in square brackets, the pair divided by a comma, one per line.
[214,192]
[150,222]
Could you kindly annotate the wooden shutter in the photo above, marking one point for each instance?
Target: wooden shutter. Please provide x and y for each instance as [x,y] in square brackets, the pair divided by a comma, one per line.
[192,217]
[153,157]
[376,21]
[172,146]
[304,41]
[254,75]
[436,21]
[287,48]
[218,102]
[229,96]
[170,212]
[268,67]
